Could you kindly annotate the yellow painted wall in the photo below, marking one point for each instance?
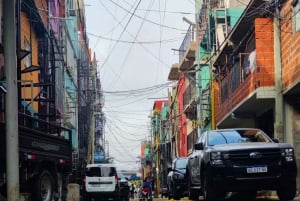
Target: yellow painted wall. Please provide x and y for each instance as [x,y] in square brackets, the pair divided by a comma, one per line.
[27,33]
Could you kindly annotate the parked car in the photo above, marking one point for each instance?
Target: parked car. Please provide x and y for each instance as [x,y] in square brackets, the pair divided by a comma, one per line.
[176,180]
[101,181]
[124,187]
[242,160]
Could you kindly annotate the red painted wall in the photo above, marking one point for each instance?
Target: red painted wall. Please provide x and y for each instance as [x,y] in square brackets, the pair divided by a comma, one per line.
[182,128]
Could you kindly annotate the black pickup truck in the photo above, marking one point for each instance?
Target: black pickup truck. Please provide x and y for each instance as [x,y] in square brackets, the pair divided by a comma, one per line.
[45,158]
[243,161]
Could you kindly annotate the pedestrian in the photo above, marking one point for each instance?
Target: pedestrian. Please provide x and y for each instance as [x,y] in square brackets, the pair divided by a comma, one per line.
[132,190]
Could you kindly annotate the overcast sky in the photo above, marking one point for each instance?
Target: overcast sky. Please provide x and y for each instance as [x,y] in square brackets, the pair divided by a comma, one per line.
[133,42]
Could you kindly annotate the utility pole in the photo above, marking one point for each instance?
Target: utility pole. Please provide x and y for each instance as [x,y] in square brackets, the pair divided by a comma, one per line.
[278,126]
[157,134]
[11,101]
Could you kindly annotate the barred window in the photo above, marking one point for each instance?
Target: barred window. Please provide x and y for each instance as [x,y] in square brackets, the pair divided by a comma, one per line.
[296,15]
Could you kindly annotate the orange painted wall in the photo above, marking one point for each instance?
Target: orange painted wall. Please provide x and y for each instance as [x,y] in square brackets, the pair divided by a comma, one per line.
[28,34]
[263,75]
[290,49]
[42,7]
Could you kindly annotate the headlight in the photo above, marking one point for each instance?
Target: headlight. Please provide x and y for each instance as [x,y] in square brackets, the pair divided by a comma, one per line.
[215,156]
[219,155]
[288,154]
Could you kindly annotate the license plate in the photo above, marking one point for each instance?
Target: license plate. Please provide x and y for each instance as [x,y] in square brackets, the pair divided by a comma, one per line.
[257,169]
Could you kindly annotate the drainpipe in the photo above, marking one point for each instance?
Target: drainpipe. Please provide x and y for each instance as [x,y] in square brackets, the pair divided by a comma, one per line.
[278,124]
[11,101]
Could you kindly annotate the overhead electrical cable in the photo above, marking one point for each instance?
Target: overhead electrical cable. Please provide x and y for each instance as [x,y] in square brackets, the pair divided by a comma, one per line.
[137,42]
[146,19]
[123,31]
[130,48]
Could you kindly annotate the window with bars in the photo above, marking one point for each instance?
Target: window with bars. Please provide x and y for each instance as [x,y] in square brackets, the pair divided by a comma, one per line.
[296,15]
[28,57]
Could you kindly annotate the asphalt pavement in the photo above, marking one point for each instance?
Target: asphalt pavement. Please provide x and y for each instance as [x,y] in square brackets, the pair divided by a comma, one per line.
[263,197]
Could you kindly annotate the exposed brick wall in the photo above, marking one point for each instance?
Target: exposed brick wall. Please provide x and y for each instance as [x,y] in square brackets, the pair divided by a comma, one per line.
[262,76]
[290,48]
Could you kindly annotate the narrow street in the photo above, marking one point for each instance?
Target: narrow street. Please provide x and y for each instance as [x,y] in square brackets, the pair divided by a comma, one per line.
[233,198]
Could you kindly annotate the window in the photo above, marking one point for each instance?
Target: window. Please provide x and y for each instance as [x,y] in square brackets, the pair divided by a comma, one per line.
[100,171]
[296,15]
[28,57]
[180,163]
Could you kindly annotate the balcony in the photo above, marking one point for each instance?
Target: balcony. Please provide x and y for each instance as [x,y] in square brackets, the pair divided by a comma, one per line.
[174,72]
[244,93]
[187,50]
[244,86]
[191,139]
[190,101]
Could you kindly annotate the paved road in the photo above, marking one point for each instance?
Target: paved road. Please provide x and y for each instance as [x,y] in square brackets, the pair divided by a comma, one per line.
[268,197]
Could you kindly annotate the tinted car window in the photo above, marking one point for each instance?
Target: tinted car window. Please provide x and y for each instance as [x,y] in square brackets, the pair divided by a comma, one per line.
[100,171]
[237,136]
[180,163]
[121,175]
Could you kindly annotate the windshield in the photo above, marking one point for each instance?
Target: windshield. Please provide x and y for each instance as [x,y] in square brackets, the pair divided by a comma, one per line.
[121,175]
[236,136]
[181,163]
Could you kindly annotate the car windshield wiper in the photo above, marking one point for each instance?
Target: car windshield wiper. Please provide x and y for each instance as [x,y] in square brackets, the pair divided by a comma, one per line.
[224,137]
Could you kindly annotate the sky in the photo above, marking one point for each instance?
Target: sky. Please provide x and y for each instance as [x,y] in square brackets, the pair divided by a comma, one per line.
[135,42]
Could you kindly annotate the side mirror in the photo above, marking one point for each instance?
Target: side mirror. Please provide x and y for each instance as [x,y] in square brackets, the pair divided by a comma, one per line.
[199,146]
[275,140]
[169,169]
[126,178]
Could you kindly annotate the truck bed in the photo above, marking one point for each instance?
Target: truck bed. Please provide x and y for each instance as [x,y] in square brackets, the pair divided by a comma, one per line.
[42,140]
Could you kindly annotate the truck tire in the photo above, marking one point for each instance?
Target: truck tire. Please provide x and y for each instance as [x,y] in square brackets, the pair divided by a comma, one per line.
[176,194]
[193,194]
[287,190]
[43,190]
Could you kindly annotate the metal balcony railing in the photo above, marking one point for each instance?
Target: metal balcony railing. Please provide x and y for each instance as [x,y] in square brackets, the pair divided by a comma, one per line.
[189,94]
[188,38]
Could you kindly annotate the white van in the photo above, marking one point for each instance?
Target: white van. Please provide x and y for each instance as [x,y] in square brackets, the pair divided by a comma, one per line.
[101,181]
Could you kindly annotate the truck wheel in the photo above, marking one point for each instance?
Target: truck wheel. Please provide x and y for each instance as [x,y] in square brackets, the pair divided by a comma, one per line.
[287,190]
[176,194]
[209,193]
[43,187]
[193,194]
[169,194]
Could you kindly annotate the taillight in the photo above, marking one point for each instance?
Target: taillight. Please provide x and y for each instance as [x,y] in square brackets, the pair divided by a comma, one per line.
[31,157]
[62,161]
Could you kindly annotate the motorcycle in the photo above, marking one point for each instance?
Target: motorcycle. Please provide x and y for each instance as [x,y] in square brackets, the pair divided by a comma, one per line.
[145,194]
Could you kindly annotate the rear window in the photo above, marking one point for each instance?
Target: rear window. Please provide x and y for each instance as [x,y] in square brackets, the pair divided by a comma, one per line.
[100,171]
